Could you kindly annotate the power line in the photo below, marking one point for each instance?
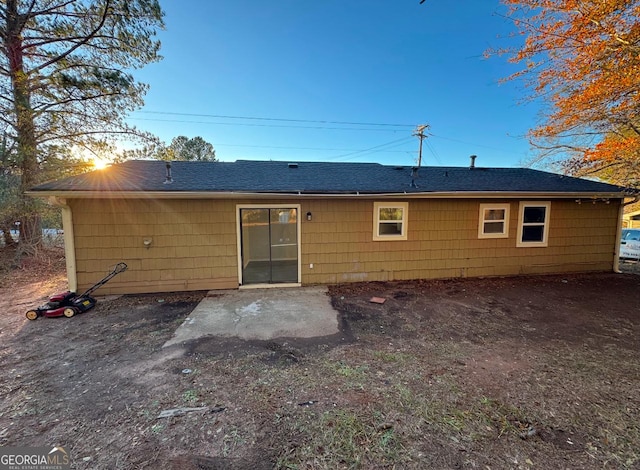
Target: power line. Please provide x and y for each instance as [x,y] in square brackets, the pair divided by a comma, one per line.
[266,125]
[217,145]
[403,140]
[255,118]
[382,127]
[433,152]
[386,150]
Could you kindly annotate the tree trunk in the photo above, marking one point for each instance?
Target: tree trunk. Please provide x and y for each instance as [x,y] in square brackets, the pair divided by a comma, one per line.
[30,231]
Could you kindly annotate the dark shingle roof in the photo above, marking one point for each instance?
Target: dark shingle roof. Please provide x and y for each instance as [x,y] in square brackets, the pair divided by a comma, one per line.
[318,178]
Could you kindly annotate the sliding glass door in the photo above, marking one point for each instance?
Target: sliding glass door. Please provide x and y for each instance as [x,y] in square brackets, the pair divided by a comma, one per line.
[269,245]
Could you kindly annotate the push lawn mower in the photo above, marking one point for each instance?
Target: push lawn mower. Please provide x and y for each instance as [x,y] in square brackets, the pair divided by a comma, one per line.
[69,303]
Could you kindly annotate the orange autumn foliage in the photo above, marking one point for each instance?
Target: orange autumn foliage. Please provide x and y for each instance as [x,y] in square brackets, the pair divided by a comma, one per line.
[582,57]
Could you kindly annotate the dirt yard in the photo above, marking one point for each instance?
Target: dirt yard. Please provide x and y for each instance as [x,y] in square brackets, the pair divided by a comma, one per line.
[508,373]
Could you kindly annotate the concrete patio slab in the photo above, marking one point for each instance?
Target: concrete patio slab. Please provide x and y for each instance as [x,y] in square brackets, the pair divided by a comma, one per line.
[260,314]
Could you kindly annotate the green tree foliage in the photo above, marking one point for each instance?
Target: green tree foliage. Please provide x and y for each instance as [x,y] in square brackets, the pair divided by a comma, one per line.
[181,148]
[54,162]
[66,81]
[195,149]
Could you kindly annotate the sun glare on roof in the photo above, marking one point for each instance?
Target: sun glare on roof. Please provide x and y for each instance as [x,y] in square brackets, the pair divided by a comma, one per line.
[99,164]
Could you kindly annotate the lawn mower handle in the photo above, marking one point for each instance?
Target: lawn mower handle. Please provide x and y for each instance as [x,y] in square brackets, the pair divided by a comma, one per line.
[120,268]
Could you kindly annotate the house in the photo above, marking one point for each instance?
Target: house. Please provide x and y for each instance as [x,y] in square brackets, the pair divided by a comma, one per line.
[631,219]
[219,225]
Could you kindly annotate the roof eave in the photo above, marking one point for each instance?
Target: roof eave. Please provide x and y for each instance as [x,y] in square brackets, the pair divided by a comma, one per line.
[299,194]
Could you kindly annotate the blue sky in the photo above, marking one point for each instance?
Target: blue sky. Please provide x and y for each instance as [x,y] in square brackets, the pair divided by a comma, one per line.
[302,68]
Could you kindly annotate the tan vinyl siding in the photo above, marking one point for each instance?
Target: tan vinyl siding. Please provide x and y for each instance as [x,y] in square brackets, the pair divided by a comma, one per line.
[443,242]
[195,245]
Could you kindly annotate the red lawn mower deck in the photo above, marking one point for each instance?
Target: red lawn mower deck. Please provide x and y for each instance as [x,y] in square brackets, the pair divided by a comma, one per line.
[68,304]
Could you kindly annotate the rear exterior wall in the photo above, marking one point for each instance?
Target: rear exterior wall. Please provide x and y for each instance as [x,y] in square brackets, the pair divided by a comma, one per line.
[193,244]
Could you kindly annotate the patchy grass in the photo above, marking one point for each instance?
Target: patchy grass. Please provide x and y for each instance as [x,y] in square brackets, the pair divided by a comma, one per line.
[190,397]
[344,439]
[521,373]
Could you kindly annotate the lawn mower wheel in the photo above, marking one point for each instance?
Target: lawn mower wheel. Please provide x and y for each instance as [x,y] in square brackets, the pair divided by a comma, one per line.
[32,315]
[69,312]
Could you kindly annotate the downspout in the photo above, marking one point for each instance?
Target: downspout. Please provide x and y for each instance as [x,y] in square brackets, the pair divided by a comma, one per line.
[69,241]
[616,255]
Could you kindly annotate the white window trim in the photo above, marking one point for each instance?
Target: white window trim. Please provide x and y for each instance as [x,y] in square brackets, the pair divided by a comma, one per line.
[545,233]
[482,221]
[376,220]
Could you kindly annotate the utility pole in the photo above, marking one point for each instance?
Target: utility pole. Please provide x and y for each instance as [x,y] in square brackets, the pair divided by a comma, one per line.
[419,133]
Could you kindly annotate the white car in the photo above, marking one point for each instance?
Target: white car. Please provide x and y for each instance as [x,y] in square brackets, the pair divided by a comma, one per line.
[630,243]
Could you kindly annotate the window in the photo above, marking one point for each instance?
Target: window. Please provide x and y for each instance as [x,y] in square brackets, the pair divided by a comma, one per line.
[390,220]
[533,224]
[494,221]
